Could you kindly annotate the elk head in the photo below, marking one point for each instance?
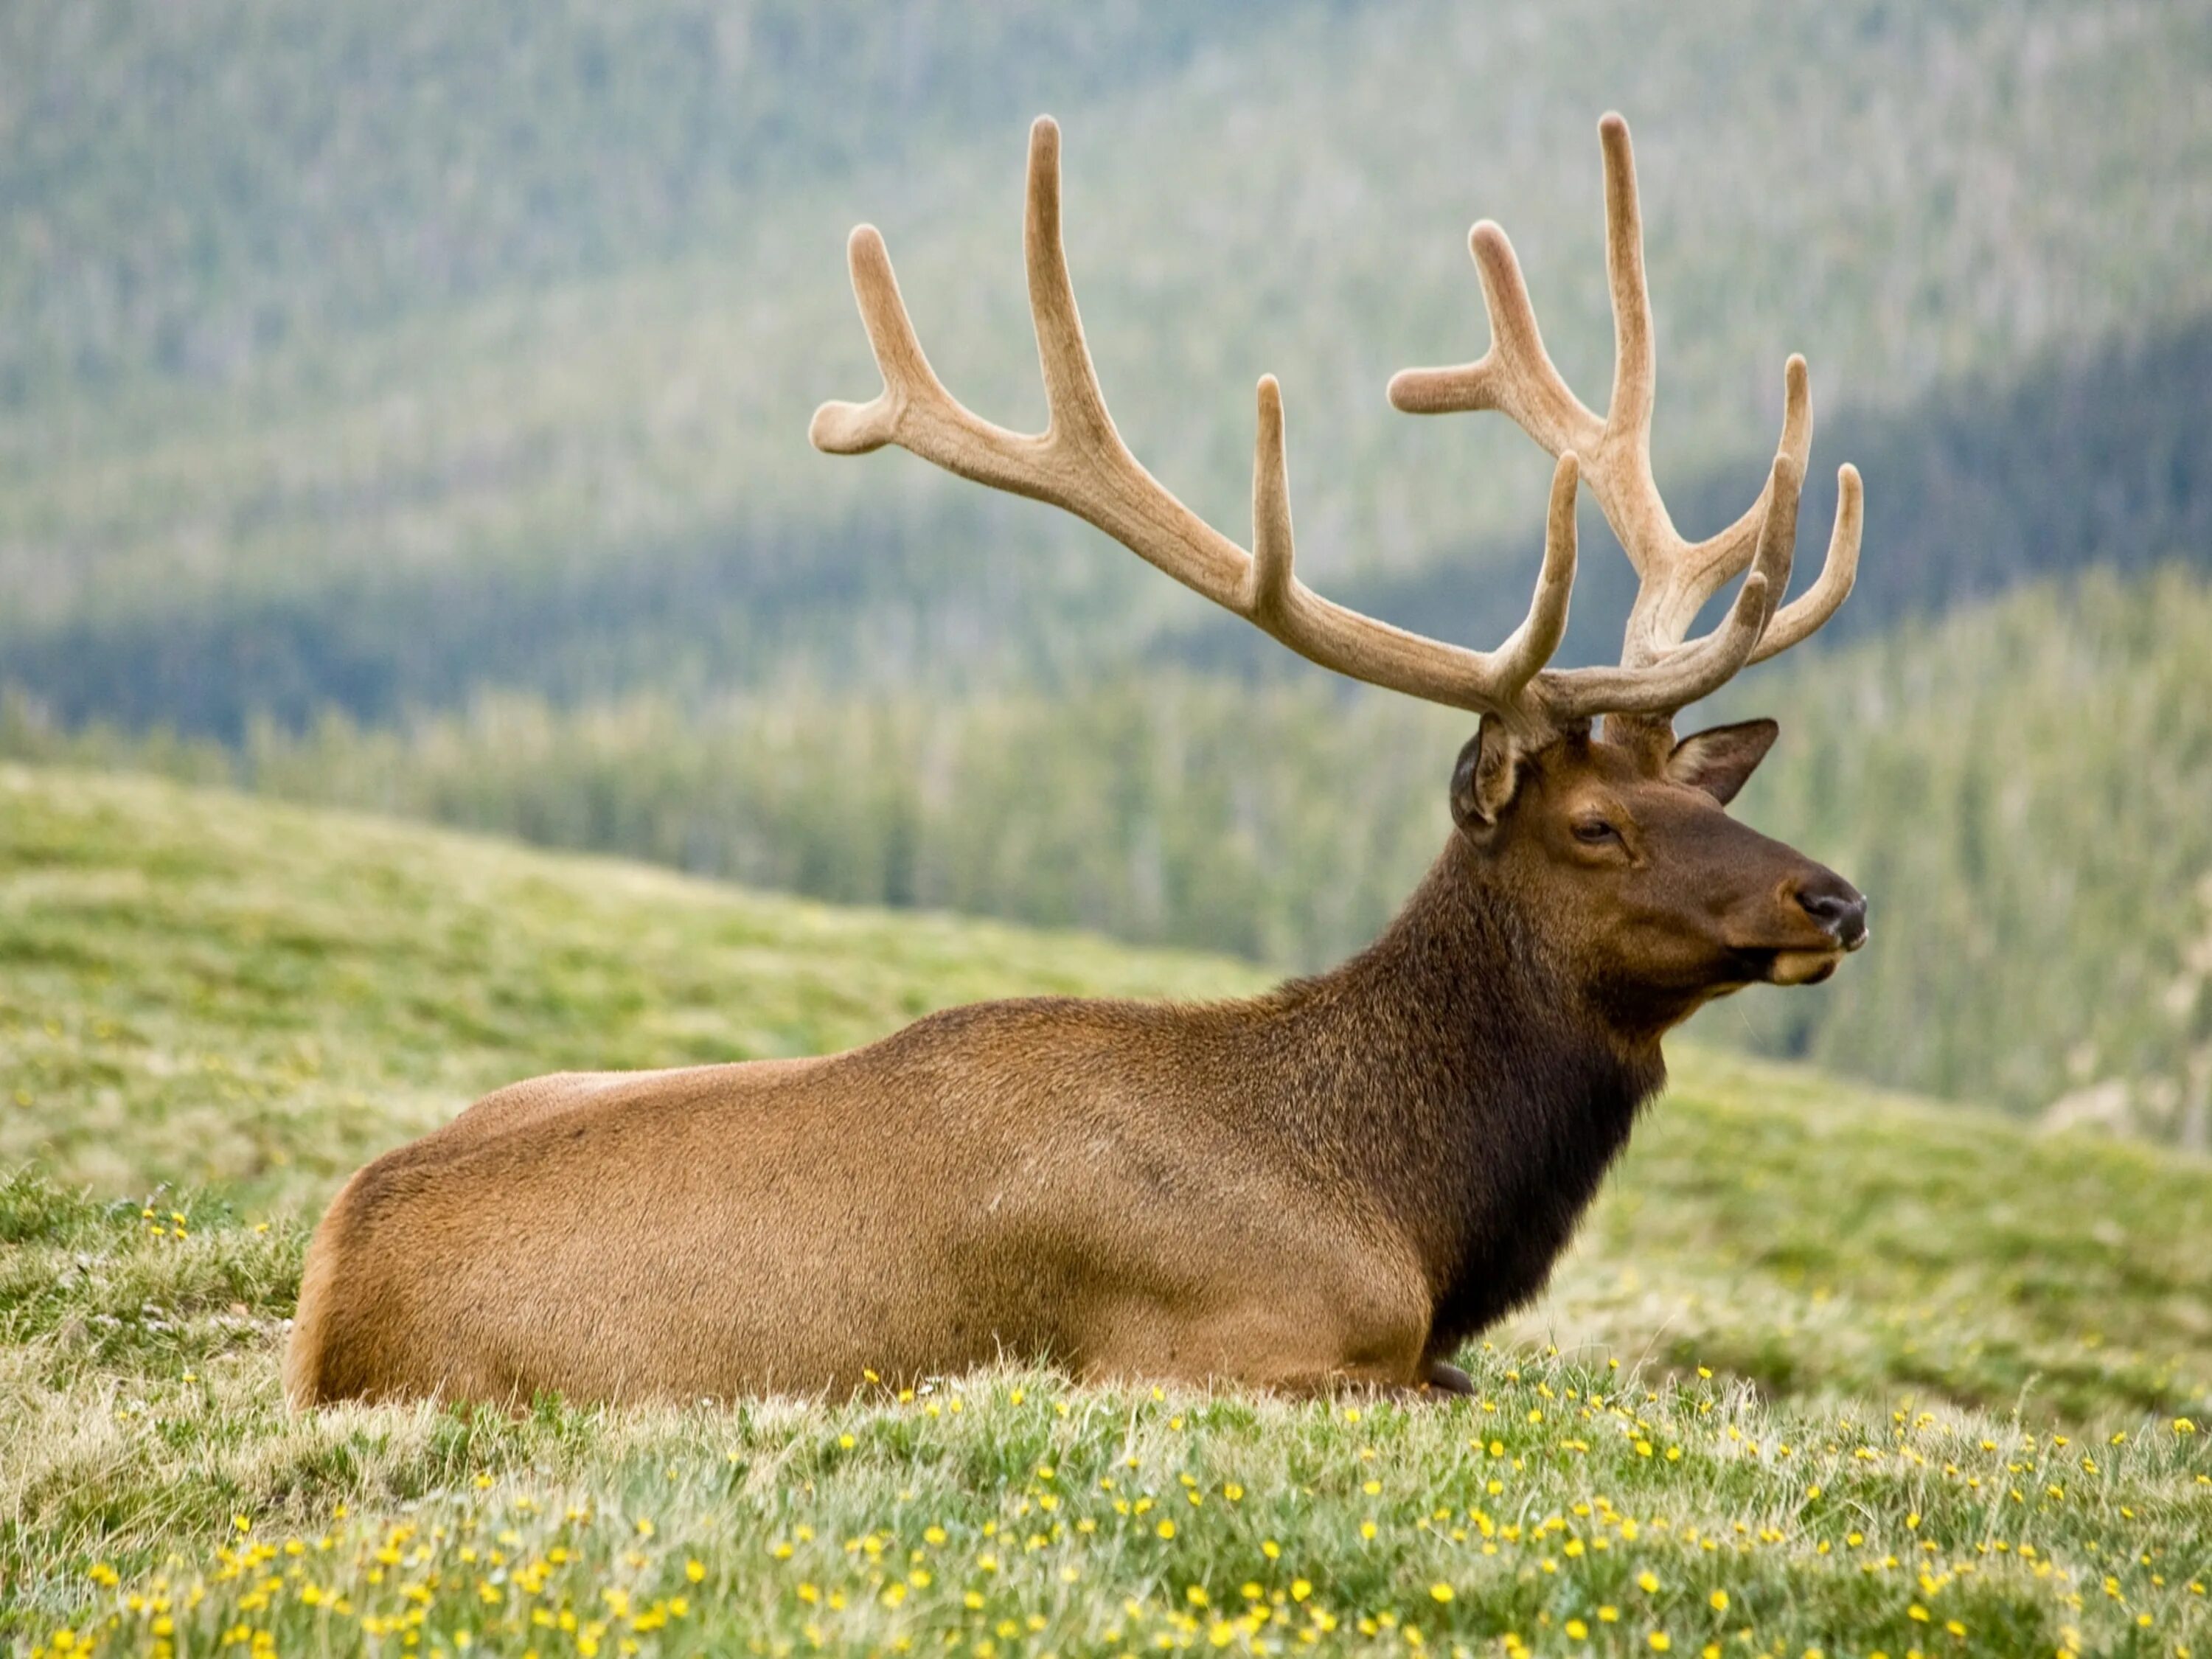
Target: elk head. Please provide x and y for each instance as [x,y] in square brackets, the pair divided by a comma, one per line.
[1615,836]
[1655,898]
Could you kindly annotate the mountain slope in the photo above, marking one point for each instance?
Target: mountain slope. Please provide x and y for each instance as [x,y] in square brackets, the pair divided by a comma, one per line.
[1915,198]
[1975,490]
[2020,789]
[201,988]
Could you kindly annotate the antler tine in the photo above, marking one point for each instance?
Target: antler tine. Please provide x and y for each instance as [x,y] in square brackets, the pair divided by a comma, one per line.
[1080,464]
[1635,364]
[1530,645]
[1327,633]
[843,428]
[1695,671]
[1809,609]
[1689,573]
[914,410]
[1071,382]
[1516,377]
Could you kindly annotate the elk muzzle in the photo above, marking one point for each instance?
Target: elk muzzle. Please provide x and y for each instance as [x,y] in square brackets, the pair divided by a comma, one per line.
[1837,907]
[1836,910]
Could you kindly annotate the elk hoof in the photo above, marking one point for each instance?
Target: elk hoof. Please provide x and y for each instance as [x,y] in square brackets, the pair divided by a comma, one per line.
[1444,1377]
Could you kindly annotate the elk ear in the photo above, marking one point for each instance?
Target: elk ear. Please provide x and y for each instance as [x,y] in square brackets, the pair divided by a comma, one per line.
[1721,760]
[1486,777]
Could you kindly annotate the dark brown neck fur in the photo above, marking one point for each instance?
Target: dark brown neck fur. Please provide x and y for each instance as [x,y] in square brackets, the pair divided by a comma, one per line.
[1454,1076]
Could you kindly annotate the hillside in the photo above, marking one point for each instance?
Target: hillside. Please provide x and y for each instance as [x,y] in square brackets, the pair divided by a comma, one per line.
[212,1006]
[205,990]
[358,355]
[2021,787]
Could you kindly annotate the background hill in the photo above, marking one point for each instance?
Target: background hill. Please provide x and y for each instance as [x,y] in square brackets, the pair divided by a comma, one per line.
[2021,788]
[1981,1357]
[410,404]
[333,321]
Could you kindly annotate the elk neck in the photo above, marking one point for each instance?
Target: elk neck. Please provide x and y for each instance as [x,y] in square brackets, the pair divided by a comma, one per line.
[1468,1085]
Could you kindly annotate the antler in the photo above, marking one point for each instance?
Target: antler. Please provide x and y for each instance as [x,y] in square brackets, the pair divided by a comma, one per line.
[1676,577]
[1079,463]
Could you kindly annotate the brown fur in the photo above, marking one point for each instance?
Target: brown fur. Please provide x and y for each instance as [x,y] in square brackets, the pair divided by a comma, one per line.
[1340,1181]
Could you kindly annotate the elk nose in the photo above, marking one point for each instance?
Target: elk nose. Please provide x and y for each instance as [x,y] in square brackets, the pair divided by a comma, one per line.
[1838,907]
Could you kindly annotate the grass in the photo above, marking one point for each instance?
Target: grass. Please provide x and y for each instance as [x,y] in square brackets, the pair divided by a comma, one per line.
[1823,1358]
[201,991]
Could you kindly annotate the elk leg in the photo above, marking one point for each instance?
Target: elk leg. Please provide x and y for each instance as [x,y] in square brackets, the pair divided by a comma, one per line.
[1257,1347]
[1440,1384]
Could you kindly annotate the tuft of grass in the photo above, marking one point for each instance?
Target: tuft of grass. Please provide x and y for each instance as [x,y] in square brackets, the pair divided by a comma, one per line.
[1822,1356]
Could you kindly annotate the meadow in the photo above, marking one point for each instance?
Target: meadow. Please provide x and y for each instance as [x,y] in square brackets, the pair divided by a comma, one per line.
[1829,1369]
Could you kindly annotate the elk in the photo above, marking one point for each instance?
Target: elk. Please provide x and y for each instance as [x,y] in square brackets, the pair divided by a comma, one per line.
[1332,1185]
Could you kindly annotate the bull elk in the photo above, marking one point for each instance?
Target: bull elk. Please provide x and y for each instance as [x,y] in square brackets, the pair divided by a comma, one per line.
[1336,1183]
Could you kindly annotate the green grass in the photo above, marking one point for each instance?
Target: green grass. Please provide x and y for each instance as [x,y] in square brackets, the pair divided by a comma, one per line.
[198,990]
[1949,1361]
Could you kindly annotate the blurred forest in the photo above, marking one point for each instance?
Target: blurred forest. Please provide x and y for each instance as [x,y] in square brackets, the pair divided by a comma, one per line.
[2021,789]
[404,406]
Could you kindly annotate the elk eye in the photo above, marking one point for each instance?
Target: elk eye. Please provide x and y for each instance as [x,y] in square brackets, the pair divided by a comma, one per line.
[1595,832]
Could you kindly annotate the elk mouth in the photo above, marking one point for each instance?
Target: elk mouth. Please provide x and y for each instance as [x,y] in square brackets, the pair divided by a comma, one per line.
[1792,965]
